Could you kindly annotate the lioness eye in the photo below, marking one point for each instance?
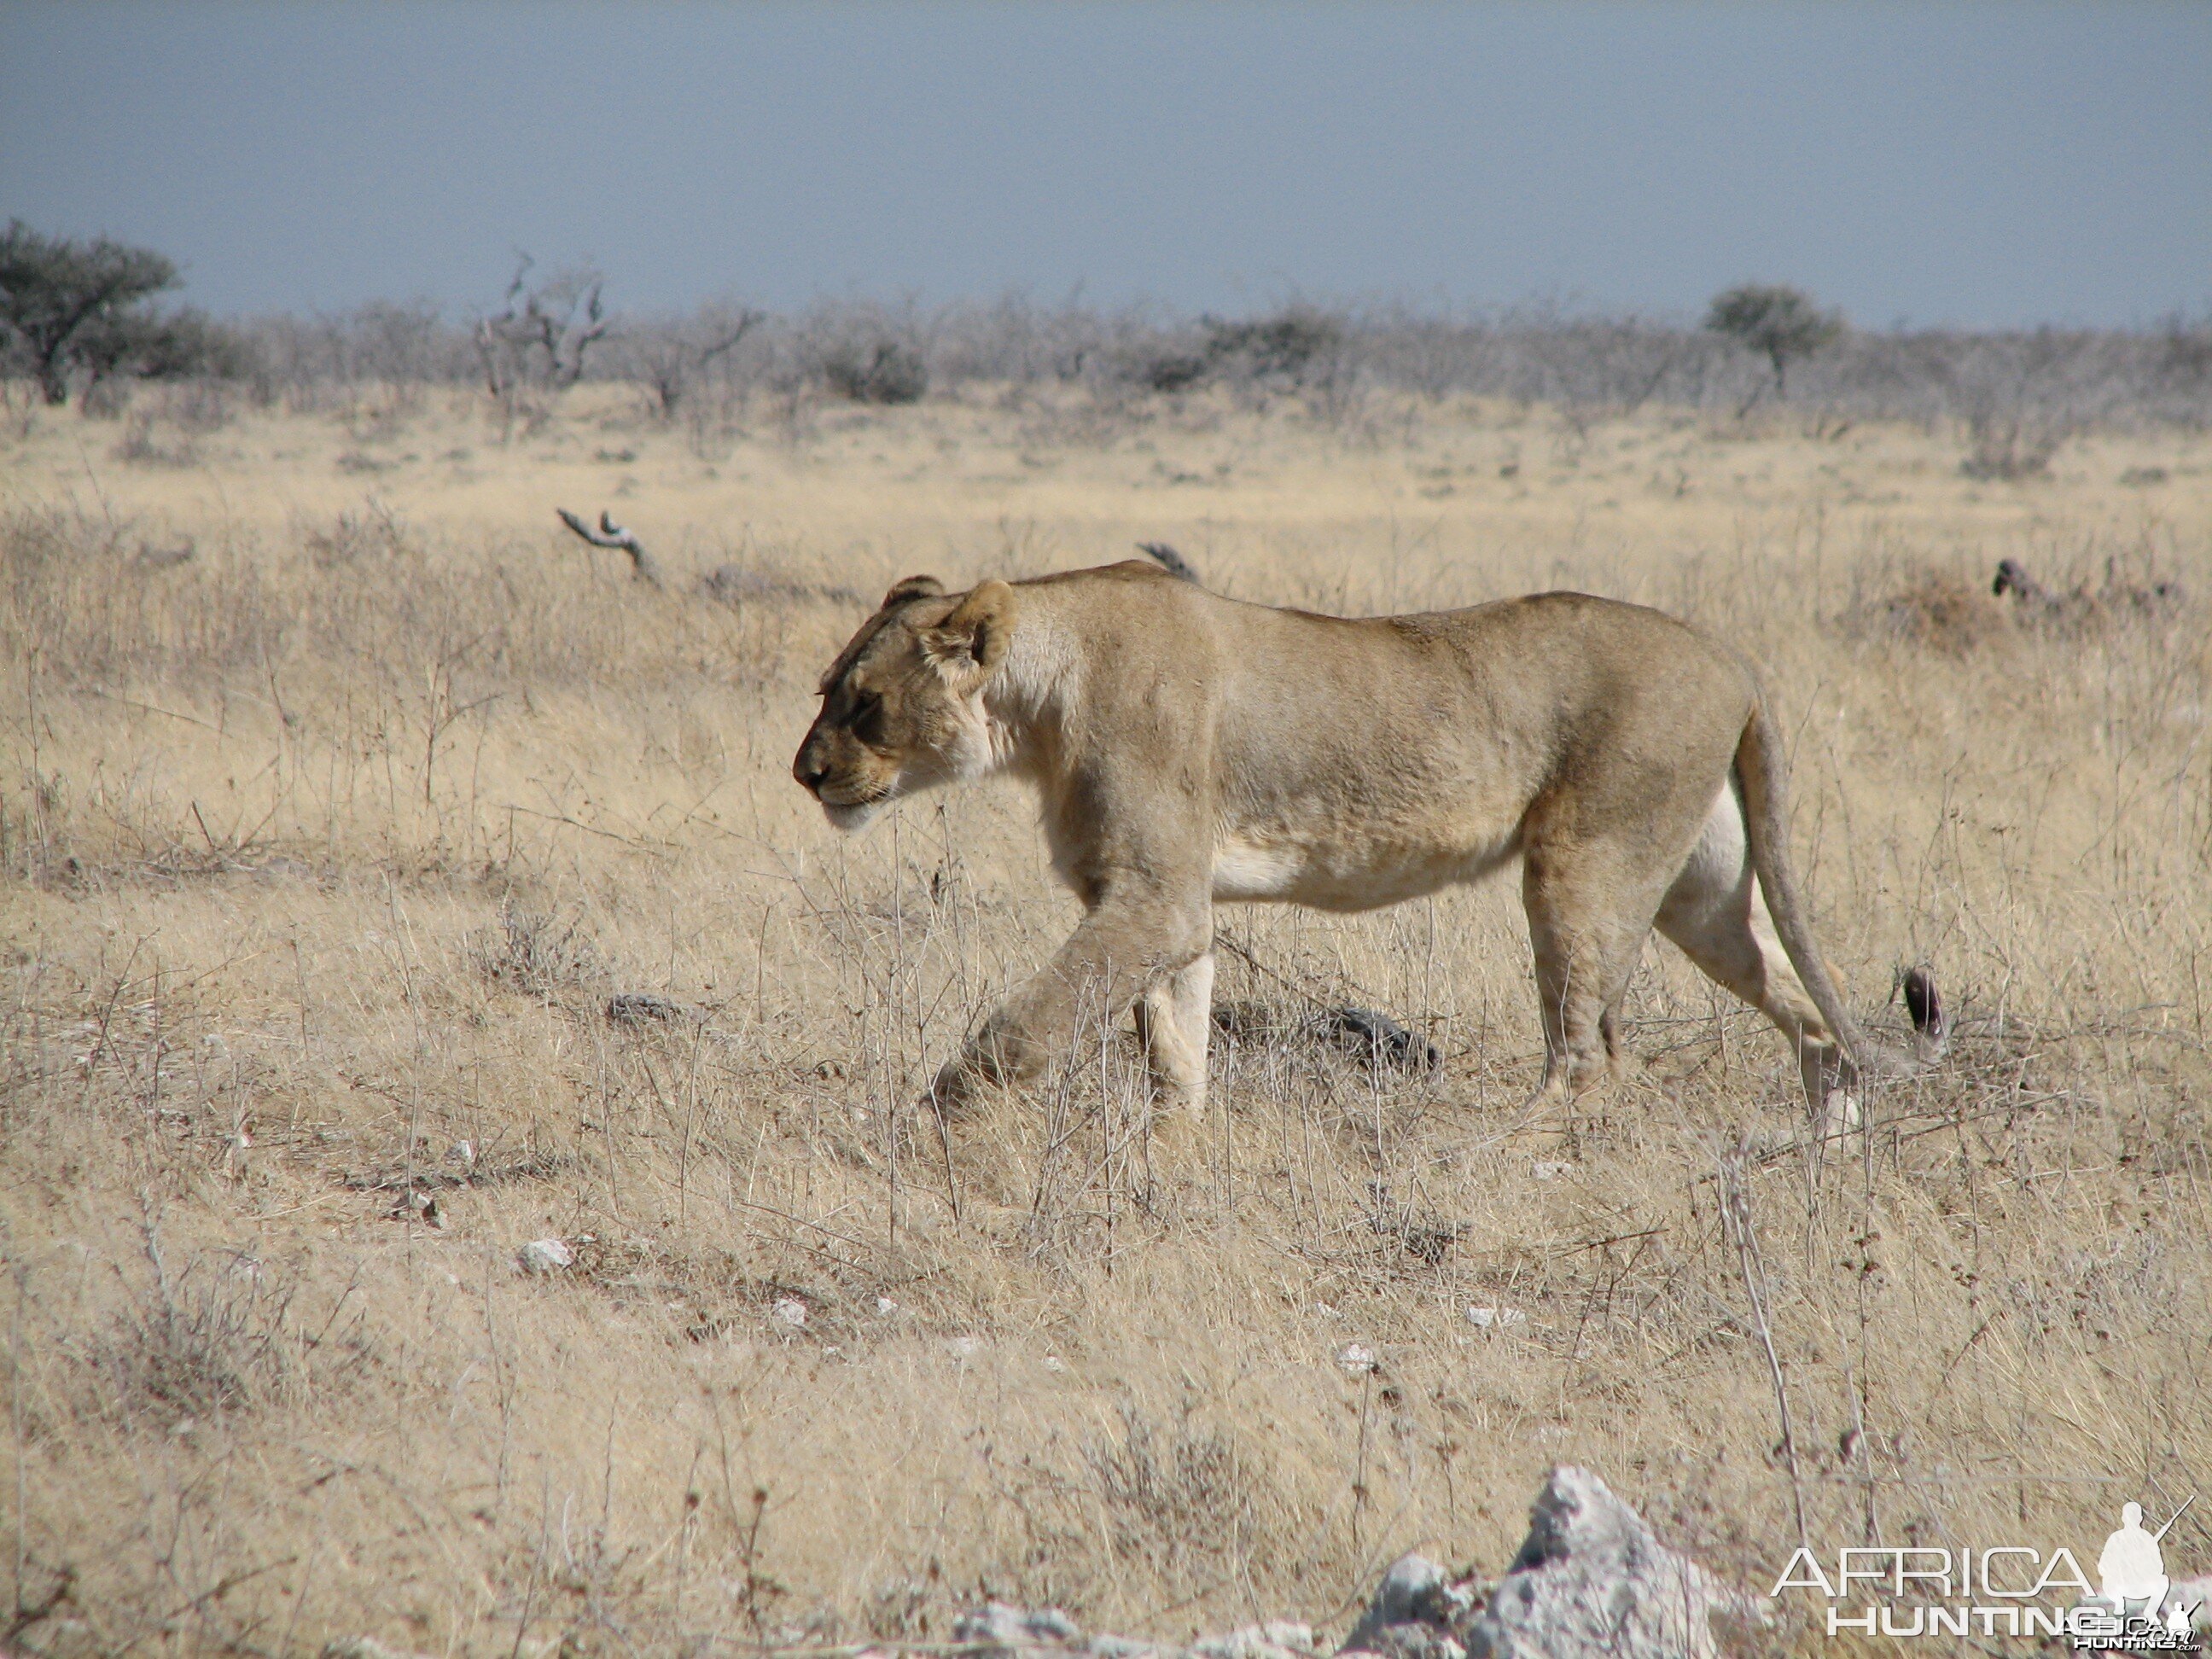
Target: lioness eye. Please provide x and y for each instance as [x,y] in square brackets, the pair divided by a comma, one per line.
[867,717]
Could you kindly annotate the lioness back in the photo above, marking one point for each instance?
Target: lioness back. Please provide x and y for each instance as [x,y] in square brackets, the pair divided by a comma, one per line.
[1356,762]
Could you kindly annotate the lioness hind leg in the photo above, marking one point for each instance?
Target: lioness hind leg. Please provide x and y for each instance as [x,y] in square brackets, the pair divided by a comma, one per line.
[1587,919]
[1175,1023]
[1714,912]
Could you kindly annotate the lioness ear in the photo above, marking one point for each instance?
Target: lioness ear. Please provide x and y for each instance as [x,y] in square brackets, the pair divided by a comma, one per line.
[972,642]
[913,587]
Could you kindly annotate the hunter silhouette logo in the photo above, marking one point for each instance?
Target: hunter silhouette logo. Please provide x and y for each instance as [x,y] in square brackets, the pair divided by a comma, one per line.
[2132,1571]
[2133,1567]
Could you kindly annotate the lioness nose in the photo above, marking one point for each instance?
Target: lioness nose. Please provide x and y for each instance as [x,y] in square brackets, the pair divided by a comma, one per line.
[809,773]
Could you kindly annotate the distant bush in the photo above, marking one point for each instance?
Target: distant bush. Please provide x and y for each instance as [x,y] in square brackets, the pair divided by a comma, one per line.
[885,372]
[1177,371]
[1295,346]
[1583,365]
[1780,323]
[1291,345]
[77,313]
[2187,359]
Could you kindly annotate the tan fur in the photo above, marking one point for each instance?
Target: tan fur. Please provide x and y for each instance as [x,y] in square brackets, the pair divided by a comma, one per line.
[1188,750]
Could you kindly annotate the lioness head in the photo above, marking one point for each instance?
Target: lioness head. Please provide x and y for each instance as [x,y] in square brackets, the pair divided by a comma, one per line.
[902,706]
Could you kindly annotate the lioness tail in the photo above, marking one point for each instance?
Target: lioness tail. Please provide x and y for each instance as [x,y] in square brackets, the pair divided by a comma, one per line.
[1763,768]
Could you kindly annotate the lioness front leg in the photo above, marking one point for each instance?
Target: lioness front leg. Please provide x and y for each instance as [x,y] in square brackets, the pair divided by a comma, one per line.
[1120,947]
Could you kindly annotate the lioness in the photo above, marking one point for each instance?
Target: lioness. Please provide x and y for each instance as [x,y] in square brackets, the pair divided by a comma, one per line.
[1188,749]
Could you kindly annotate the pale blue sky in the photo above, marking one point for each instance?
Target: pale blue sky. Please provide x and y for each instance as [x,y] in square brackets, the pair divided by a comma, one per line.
[1977,164]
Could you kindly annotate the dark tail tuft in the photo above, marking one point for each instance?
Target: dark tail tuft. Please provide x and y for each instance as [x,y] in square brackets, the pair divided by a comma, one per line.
[1923,1005]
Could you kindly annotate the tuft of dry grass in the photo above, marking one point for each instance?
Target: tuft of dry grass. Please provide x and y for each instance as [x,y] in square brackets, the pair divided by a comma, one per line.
[328,848]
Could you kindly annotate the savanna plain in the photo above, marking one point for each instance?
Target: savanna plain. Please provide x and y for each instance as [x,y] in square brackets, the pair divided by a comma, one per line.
[391,881]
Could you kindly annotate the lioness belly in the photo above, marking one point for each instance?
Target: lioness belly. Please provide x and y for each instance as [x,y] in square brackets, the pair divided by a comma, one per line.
[1336,876]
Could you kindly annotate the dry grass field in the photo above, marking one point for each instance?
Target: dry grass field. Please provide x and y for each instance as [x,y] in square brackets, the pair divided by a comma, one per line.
[327,847]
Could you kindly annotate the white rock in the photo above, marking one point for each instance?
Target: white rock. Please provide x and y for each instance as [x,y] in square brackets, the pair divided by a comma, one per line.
[1006,1629]
[545,1255]
[1280,1640]
[964,1347]
[1357,1358]
[789,1312]
[1414,1615]
[1496,1318]
[886,1306]
[1593,1581]
[1126,1647]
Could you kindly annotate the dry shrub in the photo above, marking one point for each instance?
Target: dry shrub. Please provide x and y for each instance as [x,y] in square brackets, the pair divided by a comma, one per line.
[1937,612]
[215,1339]
[210,1342]
[139,446]
[2008,450]
[881,371]
[536,953]
[1181,1500]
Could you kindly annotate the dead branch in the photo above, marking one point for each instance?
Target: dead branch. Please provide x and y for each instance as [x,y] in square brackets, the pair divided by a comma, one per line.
[1735,1215]
[565,334]
[2083,605]
[610,534]
[493,332]
[561,317]
[1170,561]
[2013,578]
[746,321]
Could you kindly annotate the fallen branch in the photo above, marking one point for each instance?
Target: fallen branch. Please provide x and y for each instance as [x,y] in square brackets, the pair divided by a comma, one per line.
[1735,1215]
[2084,604]
[610,534]
[1170,561]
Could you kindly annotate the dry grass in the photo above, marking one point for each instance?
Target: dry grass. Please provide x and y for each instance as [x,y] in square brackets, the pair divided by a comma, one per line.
[325,847]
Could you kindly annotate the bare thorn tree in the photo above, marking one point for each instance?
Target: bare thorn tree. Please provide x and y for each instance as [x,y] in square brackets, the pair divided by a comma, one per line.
[670,360]
[538,338]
